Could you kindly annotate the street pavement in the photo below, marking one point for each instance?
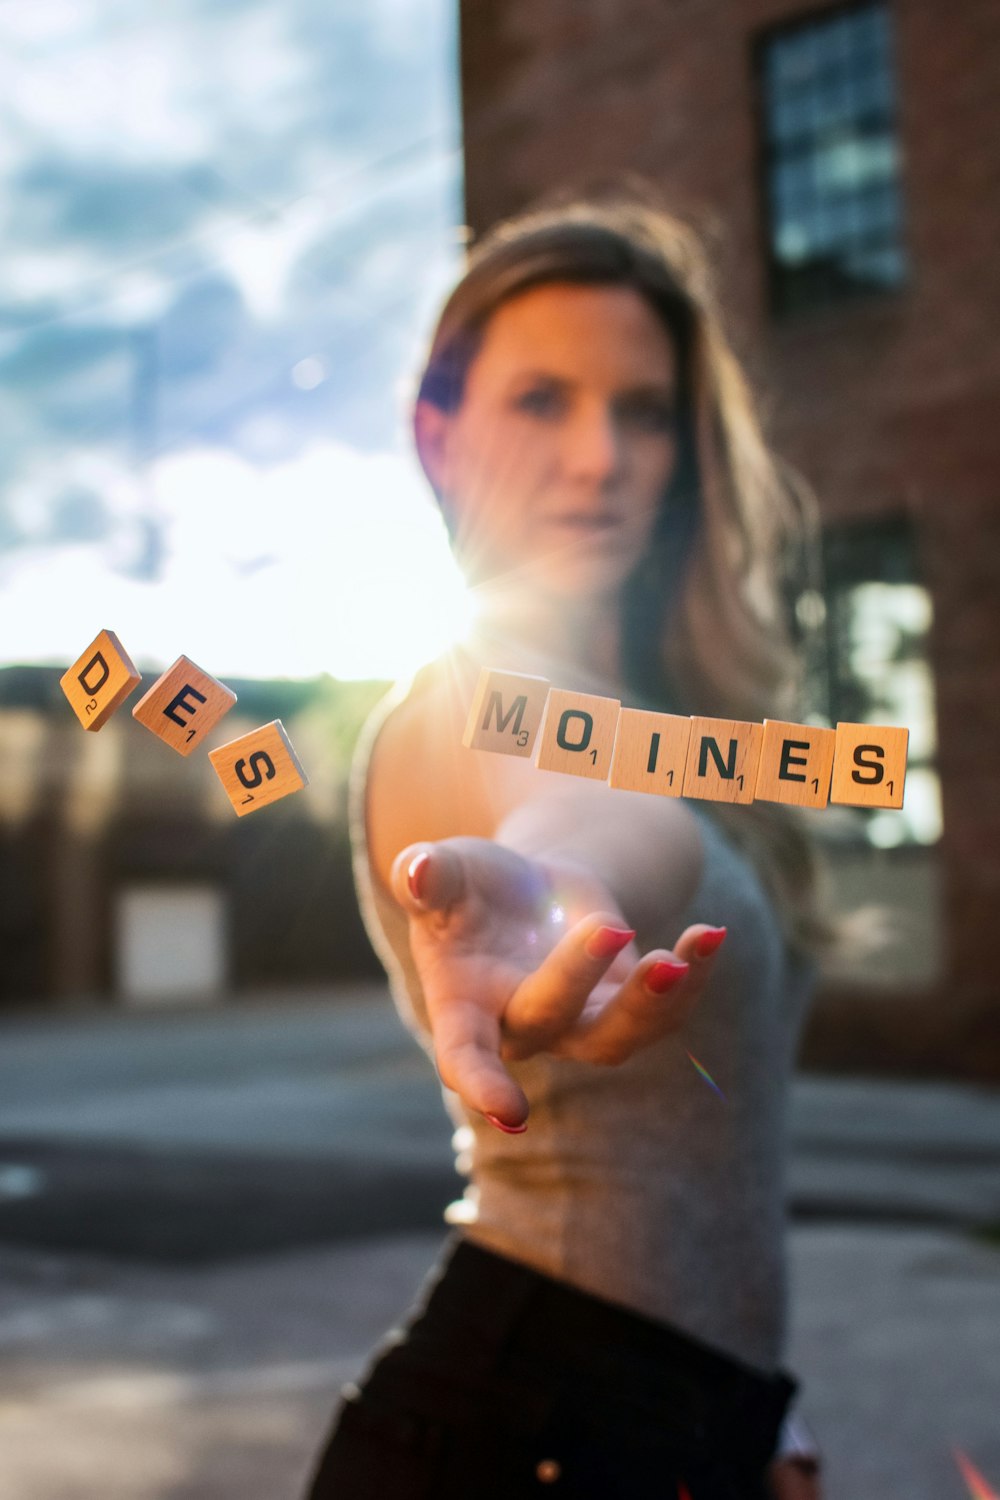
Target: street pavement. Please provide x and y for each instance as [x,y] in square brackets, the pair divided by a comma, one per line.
[208,1217]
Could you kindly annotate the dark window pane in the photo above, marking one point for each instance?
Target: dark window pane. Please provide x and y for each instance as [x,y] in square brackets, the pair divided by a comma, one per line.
[871,29]
[792,181]
[877,266]
[873,91]
[869,660]
[831,158]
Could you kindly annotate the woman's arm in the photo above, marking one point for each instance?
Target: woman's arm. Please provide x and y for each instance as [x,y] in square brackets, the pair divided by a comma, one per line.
[424,785]
[523,898]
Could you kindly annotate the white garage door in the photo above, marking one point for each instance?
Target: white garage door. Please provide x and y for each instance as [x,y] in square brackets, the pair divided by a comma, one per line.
[170,943]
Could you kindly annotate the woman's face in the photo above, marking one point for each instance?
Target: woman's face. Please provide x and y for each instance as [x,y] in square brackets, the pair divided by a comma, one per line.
[554,465]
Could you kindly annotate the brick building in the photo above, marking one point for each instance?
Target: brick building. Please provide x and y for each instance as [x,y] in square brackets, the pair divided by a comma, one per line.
[845,164]
[126,876]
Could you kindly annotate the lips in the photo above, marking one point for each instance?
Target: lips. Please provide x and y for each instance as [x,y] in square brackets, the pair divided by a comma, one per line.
[583,523]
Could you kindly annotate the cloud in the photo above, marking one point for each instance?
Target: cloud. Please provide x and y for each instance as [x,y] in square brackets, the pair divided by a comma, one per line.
[195,201]
[335,561]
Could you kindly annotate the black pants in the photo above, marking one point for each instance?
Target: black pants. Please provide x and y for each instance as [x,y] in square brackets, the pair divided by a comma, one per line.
[510,1384]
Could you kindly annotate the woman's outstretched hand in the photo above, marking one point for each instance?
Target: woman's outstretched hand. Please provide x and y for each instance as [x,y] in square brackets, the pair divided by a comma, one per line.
[518,956]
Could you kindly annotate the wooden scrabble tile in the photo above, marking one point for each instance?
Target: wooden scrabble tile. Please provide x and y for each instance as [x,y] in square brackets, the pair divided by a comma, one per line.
[258,768]
[795,764]
[183,705]
[100,680]
[578,734]
[650,752]
[506,712]
[869,765]
[722,760]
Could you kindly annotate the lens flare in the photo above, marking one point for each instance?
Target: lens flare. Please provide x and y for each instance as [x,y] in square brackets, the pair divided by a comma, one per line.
[977,1486]
[706,1075]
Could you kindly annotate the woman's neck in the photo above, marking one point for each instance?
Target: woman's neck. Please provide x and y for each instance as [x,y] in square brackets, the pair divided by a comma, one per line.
[584,634]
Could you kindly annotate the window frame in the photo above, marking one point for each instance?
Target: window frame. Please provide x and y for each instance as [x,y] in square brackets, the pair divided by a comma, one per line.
[786,299]
[884,548]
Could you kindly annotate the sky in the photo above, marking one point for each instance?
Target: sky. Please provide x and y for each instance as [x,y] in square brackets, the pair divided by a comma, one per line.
[227,225]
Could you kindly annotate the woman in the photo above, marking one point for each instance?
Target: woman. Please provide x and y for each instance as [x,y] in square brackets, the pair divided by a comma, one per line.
[609,1318]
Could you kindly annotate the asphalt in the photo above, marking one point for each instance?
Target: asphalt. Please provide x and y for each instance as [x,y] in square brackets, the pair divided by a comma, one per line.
[208,1218]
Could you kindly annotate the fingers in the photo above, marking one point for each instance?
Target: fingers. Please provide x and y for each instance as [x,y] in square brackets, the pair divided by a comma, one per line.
[655,1000]
[699,942]
[550,999]
[496,990]
[464,899]
[467,1053]
[427,877]
[436,876]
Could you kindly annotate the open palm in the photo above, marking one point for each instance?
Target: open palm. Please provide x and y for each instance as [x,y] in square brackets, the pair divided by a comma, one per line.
[518,956]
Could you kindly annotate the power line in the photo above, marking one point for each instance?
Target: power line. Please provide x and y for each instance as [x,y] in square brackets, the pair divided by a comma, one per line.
[398,160]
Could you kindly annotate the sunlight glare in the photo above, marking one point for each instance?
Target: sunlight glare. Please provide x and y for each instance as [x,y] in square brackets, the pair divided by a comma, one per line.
[335,562]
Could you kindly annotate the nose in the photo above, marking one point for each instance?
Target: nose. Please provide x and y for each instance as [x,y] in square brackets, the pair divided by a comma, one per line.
[593,449]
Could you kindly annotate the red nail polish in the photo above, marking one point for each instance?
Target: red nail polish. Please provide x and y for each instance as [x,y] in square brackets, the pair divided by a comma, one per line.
[607,941]
[416,875]
[710,941]
[664,974]
[507,1129]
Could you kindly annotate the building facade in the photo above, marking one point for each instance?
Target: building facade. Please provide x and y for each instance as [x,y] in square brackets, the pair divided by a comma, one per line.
[127,878]
[843,163]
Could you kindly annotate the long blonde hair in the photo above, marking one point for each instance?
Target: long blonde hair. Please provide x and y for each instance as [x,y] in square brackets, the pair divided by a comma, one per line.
[709,596]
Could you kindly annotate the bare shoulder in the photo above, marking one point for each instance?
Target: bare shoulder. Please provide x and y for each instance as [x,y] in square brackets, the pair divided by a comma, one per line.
[422,782]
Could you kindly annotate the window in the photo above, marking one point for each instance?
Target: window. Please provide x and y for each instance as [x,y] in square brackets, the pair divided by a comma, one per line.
[831,158]
[870,662]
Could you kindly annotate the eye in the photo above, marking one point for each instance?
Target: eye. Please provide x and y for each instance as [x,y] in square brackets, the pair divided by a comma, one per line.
[650,414]
[541,401]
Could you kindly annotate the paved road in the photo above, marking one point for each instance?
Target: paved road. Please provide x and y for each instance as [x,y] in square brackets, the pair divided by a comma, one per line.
[200,1136]
[206,1218]
[302,1120]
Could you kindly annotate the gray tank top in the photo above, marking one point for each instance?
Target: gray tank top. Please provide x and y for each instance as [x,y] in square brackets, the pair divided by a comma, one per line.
[639,1183]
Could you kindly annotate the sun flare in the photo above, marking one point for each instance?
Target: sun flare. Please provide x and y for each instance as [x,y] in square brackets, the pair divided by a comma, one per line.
[335,562]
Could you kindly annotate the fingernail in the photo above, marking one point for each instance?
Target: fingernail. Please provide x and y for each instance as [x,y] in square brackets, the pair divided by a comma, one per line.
[416,875]
[664,974]
[507,1129]
[607,941]
[710,941]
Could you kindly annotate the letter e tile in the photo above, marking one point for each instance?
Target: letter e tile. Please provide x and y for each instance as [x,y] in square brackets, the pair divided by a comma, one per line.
[183,705]
[795,764]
